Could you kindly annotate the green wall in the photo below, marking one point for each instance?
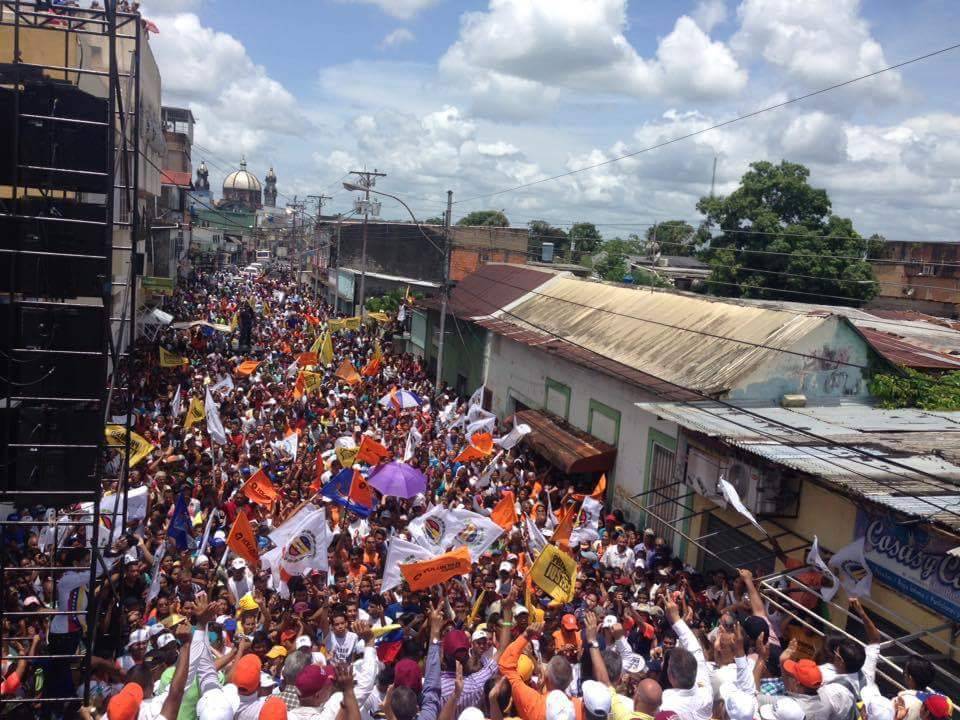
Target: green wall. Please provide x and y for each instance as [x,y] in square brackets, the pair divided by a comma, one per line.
[462,351]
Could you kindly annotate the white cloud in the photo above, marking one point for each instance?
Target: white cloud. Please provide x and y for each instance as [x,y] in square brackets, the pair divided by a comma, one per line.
[403,9]
[539,47]
[710,13]
[816,42]
[167,7]
[815,137]
[238,106]
[397,37]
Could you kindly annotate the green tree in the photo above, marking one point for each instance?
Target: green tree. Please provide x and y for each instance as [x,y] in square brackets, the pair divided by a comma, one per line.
[613,265]
[585,237]
[435,220]
[540,232]
[778,234]
[674,237]
[485,217]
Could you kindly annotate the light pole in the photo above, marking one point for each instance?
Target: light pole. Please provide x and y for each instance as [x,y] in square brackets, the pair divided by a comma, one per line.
[445,251]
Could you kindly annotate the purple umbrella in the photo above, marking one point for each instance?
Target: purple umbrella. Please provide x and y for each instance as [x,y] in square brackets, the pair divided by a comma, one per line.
[398,479]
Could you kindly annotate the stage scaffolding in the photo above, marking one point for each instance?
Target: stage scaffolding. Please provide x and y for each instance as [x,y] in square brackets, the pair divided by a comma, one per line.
[69,225]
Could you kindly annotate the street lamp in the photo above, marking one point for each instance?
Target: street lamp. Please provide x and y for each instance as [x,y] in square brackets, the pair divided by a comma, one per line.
[445,251]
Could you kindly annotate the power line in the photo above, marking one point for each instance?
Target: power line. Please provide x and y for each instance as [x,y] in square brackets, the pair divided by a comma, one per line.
[716,126]
[826,441]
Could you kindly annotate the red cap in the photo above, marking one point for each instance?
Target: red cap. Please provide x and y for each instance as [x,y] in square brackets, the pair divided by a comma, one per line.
[246,674]
[804,672]
[938,706]
[455,641]
[312,679]
[569,622]
[407,673]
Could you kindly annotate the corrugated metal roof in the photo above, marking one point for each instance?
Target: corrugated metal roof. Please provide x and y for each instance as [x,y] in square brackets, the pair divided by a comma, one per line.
[491,287]
[924,482]
[900,352]
[633,327]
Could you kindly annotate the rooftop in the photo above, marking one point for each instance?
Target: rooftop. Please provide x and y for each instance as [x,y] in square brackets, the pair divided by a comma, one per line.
[492,287]
[906,460]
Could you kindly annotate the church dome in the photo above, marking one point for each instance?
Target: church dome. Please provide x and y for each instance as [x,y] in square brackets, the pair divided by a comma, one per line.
[241,180]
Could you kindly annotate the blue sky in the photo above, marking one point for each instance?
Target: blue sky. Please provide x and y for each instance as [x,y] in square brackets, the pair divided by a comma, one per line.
[489,94]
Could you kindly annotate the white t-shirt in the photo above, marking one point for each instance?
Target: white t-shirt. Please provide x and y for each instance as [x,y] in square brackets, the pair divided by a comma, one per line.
[71,595]
[342,650]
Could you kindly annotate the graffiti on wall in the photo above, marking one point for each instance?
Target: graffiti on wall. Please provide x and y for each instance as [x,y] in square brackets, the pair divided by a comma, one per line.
[829,371]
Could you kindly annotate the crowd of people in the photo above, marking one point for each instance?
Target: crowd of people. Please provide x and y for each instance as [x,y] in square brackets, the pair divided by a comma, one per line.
[190,627]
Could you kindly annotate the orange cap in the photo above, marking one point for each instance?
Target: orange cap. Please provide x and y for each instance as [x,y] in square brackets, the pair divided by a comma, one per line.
[125,705]
[246,675]
[273,709]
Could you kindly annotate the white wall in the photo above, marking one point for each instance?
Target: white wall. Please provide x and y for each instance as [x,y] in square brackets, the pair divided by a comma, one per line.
[520,371]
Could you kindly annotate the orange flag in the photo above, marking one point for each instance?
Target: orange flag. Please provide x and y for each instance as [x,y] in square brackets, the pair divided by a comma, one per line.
[307,358]
[504,513]
[247,367]
[376,360]
[428,573]
[360,492]
[242,540]
[259,488]
[318,473]
[371,452]
[561,533]
[347,372]
[481,445]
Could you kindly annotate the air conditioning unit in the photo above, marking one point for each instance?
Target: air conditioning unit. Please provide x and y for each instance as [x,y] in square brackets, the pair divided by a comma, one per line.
[761,492]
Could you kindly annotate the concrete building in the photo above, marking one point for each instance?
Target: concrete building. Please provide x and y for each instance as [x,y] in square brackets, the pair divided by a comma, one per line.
[923,277]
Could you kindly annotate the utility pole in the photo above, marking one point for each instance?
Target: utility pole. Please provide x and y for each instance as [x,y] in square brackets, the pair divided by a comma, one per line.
[366,180]
[297,231]
[316,228]
[445,292]
[713,178]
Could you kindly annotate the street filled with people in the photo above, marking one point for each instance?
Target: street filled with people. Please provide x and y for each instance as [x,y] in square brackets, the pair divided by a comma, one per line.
[309,528]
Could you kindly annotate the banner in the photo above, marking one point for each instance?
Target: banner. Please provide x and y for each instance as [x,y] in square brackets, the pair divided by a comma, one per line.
[307,358]
[349,489]
[247,367]
[504,513]
[179,528]
[169,359]
[259,489]
[242,540]
[515,435]
[729,493]
[140,447]
[371,452]
[224,383]
[399,551]
[214,425]
[555,573]
[414,437]
[195,413]
[913,561]
[435,530]
[427,573]
[290,444]
[155,573]
[306,549]
[326,350]
[535,539]
[478,532]
[347,456]
[380,317]
[176,405]
[852,569]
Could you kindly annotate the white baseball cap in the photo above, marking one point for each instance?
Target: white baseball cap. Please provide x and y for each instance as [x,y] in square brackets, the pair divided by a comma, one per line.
[165,640]
[609,621]
[471,713]
[238,564]
[559,706]
[303,641]
[219,703]
[738,704]
[139,636]
[783,709]
[596,699]
[506,566]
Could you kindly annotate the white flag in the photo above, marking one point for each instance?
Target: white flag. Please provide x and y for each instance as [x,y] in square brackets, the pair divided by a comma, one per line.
[224,383]
[478,532]
[306,548]
[400,551]
[214,426]
[402,313]
[852,569]
[476,399]
[206,534]
[729,493]
[446,414]
[413,441]
[436,529]
[476,412]
[535,539]
[515,435]
[831,584]
[155,573]
[279,537]
[483,425]
[484,479]
[290,444]
[551,518]
[176,407]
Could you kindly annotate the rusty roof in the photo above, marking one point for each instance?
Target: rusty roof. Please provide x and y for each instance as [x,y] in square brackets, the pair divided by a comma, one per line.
[702,343]
[566,447]
[900,352]
[491,287]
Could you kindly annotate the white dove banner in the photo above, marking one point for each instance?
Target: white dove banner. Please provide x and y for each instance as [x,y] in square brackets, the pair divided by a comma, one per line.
[831,585]
[401,552]
[729,493]
[214,426]
[306,548]
[436,529]
[852,569]
[478,532]
[510,440]
[413,441]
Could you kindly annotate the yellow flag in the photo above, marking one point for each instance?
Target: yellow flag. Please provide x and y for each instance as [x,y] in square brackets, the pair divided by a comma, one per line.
[140,447]
[266,308]
[380,317]
[335,325]
[326,350]
[195,414]
[352,323]
[315,348]
[555,573]
[169,359]
[312,381]
[234,321]
[347,456]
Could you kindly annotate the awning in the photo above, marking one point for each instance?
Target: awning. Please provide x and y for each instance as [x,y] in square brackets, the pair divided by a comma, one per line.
[564,446]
